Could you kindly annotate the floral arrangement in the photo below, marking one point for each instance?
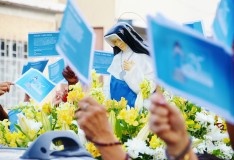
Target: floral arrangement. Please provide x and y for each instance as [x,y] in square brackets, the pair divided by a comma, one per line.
[130,126]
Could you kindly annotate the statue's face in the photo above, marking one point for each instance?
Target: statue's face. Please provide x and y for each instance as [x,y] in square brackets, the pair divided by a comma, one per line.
[119,43]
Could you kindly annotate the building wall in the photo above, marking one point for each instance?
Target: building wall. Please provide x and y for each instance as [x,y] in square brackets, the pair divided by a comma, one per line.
[98,14]
[16,22]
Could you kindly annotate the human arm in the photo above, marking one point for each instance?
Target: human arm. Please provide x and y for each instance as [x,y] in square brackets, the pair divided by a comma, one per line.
[3,114]
[70,76]
[26,98]
[167,122]
[93,120]
[5,87]
[60,96]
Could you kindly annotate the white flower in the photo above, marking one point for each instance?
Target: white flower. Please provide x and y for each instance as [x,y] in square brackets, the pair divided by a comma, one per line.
[160,153]
[75,122]
[28,124]
[226,150]
[29,143]
[147,103]
[215,134]
[136,146]
[204,118]
[167,95]
[34,125]
[81,135]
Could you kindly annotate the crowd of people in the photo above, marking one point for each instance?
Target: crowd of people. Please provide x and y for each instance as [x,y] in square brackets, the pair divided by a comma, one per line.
[131,57]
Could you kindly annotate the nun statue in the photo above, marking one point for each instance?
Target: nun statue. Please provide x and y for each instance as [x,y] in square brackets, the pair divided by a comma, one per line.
[131,64]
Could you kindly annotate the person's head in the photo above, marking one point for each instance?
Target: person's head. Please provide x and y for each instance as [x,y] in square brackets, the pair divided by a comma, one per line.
[207,156]
[125,33]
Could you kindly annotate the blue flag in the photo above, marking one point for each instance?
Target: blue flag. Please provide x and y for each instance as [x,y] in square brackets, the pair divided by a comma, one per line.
[39,65]
[42,44]
[102,61]
[76,42]
[223,25]
[196,26]
[55,71]
[193,67]
[35,84]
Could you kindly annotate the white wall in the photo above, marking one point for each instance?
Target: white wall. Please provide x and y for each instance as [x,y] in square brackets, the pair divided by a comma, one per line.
[99,13]
[181,11]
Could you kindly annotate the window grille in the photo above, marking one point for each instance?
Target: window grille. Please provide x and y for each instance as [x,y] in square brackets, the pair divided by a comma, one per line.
[13,55]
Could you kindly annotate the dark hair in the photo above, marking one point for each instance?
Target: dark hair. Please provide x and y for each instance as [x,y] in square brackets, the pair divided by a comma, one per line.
[130,37]
[206,156]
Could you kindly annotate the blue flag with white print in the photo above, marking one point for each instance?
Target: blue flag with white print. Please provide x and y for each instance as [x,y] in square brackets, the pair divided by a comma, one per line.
[42,44]
[102,61]
[223,25]
[196,26]
[192,66]
[55,71]
[76,42]
[35,84]
[39,65]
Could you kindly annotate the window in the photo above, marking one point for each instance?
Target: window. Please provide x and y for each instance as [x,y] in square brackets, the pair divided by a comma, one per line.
[13,55]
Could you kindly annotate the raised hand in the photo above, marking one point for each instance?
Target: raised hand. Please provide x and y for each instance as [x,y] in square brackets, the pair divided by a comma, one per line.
[70,76]
[5,87]
[167,122]
[92,118]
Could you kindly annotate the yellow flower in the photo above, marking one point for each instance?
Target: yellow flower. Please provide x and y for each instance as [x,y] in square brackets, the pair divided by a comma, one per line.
[112,104]
[23,123]
[2,141]
[108,104]
[45,122]
[154,142]
[122,103]
[12,144]
[124,148]
[21,138]
[122,114]
[92,149]
[96,80]
[46,108]
[143,133]
[189,122]
[226,140]
[8,136]
[41,131]
[197,126]
[193,110]
[38,117]
[65,114]
[129,116]
[75,96]
[185,115]
[145,88]
[6,123]
[65,126]
[112,119]
[32,135]
[98,95]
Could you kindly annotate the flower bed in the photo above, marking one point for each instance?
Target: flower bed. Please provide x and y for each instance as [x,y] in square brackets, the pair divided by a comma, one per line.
[207,130]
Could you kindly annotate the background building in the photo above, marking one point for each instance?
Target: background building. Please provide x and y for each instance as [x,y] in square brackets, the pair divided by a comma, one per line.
[19,17]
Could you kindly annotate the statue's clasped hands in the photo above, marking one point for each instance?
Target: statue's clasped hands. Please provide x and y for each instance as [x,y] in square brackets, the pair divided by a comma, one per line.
[127,65]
